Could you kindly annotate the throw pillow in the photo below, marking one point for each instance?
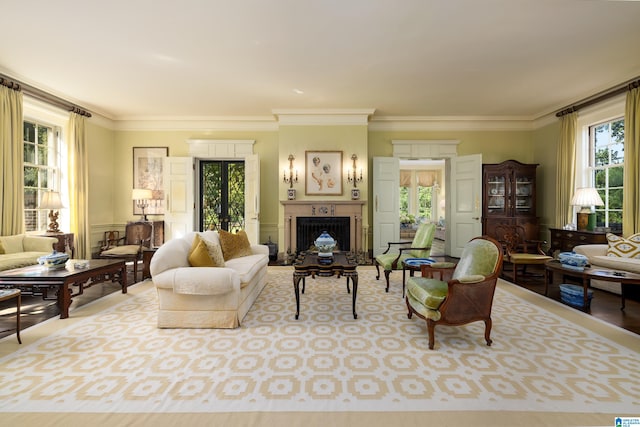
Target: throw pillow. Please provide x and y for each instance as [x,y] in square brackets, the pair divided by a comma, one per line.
[215,252]
[199,254]
[234,245]
[623,247]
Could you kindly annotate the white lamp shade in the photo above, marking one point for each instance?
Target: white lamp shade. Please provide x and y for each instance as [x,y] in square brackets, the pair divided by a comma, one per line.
[51,200]
[587,196]
[141,194]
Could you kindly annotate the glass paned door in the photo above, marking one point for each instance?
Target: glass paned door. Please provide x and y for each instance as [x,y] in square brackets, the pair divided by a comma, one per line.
[222,195]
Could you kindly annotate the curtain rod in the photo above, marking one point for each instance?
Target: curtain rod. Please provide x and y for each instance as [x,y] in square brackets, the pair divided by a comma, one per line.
[42,95]
[610,93]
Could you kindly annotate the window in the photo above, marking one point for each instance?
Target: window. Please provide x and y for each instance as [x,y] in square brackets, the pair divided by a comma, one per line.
[606,166]
[41,148]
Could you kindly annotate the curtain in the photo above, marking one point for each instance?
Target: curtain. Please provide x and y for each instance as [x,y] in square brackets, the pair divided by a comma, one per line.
[631,191]
[79,185]
[426,178]
[11,161]
[566,170]
[405,178]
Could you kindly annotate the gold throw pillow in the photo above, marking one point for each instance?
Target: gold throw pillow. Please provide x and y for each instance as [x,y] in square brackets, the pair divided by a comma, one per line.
[234,245]
[199,254]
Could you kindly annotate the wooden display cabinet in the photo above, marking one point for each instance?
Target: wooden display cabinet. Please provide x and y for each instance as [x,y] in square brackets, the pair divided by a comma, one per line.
[509,197]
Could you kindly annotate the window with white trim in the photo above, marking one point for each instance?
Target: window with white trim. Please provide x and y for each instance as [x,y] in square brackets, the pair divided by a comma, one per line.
[606,166]
[41,148]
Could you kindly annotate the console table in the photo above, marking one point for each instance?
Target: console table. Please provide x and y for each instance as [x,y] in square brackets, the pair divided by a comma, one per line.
[565,240]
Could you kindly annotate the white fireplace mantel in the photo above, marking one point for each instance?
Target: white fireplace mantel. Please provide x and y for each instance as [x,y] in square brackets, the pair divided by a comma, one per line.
[323,208]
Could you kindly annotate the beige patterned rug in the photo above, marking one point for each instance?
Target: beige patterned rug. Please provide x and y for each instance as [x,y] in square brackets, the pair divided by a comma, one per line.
[109,364]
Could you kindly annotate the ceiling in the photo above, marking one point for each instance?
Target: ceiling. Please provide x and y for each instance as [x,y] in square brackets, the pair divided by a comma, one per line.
[147,59]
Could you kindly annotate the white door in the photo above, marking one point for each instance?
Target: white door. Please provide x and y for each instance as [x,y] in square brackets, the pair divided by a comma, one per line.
[252,197]
[179,214]
[386,202]
[465,201]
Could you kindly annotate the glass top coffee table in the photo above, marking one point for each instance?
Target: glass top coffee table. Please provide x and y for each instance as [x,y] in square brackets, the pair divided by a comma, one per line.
[310,264]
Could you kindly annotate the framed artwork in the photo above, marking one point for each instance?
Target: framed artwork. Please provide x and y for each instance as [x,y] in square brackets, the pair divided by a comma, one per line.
[323,173]
[147,173]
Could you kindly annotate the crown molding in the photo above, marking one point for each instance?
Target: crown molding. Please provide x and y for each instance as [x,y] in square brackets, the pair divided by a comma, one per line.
[323,117]
[450,123]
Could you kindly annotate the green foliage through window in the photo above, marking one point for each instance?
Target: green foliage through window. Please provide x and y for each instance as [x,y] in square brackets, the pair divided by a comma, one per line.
[607,169]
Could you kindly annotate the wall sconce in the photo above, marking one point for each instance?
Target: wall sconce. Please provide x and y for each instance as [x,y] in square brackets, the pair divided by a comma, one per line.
[353,177]
[290,179]
[142,196]
[51,200]
[586,198]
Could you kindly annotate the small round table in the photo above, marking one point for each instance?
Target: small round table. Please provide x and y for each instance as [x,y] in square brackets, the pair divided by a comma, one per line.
[413,265]
[7,294]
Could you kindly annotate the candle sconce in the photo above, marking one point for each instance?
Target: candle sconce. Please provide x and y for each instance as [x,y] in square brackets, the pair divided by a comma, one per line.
[352,176]
[291,192]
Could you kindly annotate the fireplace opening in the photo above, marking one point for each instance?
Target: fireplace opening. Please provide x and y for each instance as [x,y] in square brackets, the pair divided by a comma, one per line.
[309,228]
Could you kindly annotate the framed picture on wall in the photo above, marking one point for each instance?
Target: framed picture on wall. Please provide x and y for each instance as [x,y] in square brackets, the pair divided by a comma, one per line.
[147,174]
[323,173]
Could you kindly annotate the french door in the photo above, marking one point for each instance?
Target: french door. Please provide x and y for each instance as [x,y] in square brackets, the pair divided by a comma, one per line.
[222,195]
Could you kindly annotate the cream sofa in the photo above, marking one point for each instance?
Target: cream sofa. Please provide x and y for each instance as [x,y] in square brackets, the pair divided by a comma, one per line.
[597,255]
[22,250]
[206,297]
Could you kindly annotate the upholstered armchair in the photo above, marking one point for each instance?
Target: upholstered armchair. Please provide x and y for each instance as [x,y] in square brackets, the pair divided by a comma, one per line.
[518,251]
[420,248]
[130,246]
[467,297]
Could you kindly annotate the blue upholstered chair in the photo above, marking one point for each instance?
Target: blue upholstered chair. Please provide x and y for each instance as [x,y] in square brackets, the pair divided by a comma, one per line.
[420,248]
[467,297]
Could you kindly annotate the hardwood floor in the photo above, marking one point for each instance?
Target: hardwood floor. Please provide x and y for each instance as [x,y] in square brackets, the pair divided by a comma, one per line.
[605,305]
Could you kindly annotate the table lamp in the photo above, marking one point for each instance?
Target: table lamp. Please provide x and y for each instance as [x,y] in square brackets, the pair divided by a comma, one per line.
[141,196]
[586,198]
[51,200]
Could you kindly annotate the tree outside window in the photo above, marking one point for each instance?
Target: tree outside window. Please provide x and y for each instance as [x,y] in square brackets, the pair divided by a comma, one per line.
[607,169]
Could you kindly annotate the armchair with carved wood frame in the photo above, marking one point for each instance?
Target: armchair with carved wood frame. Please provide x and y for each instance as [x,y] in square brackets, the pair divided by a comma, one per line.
[519,251]
[466,297]
[137,237]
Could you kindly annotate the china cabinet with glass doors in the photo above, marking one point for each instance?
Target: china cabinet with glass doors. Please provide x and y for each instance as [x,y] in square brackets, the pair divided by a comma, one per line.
[509,197]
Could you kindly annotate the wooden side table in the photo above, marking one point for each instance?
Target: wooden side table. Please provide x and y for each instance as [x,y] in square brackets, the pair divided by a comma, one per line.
[65,241]
[7,294]
[147,254]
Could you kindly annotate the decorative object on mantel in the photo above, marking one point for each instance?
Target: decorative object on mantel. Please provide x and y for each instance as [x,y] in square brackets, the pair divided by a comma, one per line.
[586,198]
[141,197]
[51,200]
[323,173]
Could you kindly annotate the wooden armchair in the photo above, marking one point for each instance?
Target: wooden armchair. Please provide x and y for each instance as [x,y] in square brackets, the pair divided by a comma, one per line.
[518,251]
[420,248]
[130,246]
[466,297]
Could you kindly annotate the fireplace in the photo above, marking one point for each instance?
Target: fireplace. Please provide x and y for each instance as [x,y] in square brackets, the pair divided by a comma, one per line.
[309,228]
[343,217]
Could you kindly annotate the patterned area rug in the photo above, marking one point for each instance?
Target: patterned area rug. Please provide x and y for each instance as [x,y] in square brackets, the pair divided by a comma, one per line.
[109,358]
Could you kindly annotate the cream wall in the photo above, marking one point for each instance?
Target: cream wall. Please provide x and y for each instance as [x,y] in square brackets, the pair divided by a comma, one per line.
[111,168]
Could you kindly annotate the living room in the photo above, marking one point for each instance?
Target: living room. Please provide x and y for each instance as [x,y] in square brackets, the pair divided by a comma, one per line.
[488,79]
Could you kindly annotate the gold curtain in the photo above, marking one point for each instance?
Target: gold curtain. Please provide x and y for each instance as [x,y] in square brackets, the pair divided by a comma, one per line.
[631,191]
[79,185]
[426,178]
[566,170]
[405,178]
[12,176]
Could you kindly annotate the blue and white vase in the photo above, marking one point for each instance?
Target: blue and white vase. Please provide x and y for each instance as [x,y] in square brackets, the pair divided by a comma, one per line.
[325,244]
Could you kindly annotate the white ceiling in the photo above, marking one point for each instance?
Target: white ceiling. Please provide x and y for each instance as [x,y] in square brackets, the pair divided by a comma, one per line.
[145,59]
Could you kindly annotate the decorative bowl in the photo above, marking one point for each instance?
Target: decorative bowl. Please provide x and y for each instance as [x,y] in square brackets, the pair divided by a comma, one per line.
[572,259]
[54,260]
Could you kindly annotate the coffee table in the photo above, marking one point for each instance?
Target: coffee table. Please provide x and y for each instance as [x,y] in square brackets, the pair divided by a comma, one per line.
[309,264]
[37,279]
[624,278]
[7,294]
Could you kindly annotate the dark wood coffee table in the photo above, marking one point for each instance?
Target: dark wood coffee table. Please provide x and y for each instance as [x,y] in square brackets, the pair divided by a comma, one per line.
[624,278]
[309,264]
[37,279]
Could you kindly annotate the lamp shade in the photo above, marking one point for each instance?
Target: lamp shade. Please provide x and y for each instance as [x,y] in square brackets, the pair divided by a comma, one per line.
[51,200]
[141,194]
[587,196]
